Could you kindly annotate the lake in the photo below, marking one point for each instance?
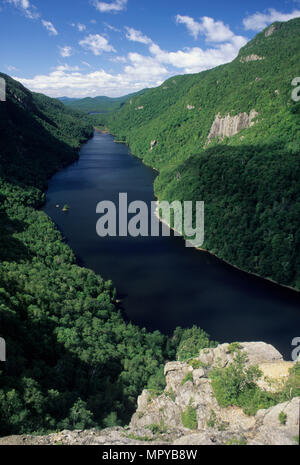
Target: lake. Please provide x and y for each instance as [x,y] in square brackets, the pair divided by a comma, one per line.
[161,283]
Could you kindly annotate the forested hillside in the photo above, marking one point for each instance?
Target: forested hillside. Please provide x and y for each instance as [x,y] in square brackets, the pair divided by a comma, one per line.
[99,104]
[72,361]
[231,136]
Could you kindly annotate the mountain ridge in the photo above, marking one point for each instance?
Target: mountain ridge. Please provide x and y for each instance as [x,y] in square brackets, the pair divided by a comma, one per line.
[248,180]
[99,104]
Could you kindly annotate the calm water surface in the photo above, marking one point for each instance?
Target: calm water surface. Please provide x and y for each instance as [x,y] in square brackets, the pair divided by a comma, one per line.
[162,283]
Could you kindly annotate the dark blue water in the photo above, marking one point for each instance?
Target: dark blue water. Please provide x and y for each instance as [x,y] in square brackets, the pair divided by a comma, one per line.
[162,283]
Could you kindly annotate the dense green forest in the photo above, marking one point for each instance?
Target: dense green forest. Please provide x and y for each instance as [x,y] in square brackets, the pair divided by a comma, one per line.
[99,104]
[72,361]
[250,181]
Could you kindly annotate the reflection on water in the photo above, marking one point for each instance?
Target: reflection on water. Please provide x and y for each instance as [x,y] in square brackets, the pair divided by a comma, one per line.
[163,283]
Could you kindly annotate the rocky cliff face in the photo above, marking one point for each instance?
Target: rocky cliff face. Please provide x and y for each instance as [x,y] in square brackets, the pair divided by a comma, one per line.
[160,419]
[228,126]
[187,386]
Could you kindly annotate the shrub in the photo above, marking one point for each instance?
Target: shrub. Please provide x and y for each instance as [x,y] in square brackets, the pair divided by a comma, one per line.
[292,387]
[188,377]
[236,442]
[189,417]
[235,385]
[191,341]
[234,347]
[156,428]
[157,381]
[171,394]
[211,422]
[282,417]
[197,364]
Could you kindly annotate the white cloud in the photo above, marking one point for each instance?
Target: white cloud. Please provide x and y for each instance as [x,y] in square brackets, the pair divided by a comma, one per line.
[118,59]
[11,68]
[79,26]
[259,21]
[140,72]
[20,3]
[66,67]
[137,36]
[194,60]
[49,26]
[66,51]
[146,68]
[193,27]
[214,31]
[112,28]
[25,7]
[85,63]
[96,44]
[115,6]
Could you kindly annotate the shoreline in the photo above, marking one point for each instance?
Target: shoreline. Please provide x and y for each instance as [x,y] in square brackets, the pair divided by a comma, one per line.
[270,280]
[199,249]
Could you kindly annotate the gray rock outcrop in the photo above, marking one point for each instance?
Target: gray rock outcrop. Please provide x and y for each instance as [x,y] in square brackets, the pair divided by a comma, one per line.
[252,57]
[158,420]
[153,143]
[228,126]
[273,28]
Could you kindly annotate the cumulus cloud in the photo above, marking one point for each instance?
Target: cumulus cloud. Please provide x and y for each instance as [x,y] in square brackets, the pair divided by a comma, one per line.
[137,36]
[195,59]
[146,68]
[112,7]
[65,51]
[96,44]
[193,26]
[49,26]
[141,72]
[214,31]
[259,21]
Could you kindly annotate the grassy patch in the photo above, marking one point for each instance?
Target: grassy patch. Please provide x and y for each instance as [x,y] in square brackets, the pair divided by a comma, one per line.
[189,417]
[188,377]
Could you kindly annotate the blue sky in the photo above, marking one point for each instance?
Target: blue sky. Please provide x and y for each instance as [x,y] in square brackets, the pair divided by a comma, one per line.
[80,48]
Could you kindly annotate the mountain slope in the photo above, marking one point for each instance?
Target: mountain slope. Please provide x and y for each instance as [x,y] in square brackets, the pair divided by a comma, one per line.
[99,104]
[72,361]
[231,136]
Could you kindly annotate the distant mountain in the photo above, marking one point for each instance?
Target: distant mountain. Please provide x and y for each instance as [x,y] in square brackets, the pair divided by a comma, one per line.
[67,99]
[230,137]
[99,104]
